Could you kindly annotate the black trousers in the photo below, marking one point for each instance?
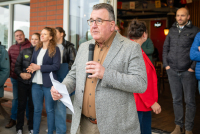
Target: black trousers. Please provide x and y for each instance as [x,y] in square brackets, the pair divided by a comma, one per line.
[183,84]
[24,93]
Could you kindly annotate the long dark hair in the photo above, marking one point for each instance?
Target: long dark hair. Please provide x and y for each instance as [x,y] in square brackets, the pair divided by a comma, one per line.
[136,29]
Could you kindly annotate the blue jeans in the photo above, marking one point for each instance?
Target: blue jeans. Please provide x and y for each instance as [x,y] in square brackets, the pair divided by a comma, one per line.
[15,100]
[59,107]
[145,122]
[60,117]
[183,83]
[39,93]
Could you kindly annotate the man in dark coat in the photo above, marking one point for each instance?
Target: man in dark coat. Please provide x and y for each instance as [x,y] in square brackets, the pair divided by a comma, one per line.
[180,69]
[13,52]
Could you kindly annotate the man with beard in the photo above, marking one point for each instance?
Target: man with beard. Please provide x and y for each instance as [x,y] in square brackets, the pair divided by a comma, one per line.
[180,69]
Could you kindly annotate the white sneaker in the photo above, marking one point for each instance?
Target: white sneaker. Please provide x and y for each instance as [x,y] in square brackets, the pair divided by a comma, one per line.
[19,131]
[31,132]
[47,130]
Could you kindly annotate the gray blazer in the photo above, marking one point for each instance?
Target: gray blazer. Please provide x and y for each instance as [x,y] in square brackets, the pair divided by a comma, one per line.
[125,74]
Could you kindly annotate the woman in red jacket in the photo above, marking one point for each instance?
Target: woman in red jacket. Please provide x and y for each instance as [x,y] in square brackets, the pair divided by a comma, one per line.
[147,101]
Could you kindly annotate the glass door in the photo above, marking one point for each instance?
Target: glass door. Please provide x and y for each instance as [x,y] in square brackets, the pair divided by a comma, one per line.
[21,19]
[79,13]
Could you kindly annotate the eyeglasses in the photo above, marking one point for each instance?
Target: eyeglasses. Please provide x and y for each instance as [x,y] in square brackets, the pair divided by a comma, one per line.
[97,21]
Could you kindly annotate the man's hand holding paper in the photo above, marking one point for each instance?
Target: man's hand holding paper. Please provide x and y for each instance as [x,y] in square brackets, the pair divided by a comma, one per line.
[55,95]
[59,91]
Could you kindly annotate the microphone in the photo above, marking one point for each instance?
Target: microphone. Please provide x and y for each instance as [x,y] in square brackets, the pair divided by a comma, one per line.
[90,55]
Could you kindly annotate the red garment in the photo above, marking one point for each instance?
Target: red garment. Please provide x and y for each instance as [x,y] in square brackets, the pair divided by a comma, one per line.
[13,53]
[145,100]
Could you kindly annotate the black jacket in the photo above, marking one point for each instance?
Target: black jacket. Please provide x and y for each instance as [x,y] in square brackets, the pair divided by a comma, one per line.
[22,63]
[69,53]
[176,49]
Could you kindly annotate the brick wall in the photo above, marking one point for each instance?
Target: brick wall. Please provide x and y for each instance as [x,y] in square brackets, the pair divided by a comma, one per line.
[45,13]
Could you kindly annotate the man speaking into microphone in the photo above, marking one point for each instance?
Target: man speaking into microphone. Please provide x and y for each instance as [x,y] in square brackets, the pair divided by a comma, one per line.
[104,101]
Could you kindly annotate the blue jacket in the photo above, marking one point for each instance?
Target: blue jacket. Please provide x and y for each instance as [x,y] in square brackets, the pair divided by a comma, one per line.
[195,55]
[49,65]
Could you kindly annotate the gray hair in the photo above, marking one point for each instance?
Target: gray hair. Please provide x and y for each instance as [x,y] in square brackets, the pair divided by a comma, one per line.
[108,7]
[18,30]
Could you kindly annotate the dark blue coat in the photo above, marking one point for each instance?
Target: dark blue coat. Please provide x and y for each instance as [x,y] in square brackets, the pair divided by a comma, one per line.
[195,55]
[48,65]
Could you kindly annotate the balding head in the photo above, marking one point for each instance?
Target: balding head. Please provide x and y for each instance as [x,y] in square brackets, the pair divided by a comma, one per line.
[183,9]
[182,16]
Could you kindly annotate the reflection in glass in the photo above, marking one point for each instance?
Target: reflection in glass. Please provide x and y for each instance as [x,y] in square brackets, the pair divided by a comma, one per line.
[21,19]
[80,11]
[4,17]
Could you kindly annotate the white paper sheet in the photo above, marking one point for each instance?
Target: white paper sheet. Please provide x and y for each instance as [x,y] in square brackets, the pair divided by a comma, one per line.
[61,88]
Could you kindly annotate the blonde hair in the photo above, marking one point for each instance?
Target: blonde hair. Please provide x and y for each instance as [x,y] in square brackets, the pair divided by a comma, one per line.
[52,42]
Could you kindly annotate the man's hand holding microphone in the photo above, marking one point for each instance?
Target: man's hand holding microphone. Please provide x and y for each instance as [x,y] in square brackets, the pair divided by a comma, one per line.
[93,70]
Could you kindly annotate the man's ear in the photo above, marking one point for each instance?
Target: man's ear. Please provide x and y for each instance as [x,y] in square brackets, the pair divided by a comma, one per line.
[112,25]
[188,17]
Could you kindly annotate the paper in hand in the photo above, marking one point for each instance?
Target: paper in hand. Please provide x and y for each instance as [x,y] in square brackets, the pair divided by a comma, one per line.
[61,88]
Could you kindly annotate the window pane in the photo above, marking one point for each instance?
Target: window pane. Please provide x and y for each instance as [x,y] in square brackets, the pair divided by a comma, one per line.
[21,19]
[80,11]
[4,17]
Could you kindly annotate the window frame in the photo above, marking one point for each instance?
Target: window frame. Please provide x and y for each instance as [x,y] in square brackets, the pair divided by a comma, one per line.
[10,5]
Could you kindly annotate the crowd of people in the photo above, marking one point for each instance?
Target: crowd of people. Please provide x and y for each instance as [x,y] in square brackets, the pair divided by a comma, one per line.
[30,65]
[119,93]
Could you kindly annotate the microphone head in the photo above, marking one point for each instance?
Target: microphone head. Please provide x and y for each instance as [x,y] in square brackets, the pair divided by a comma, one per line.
[91,47]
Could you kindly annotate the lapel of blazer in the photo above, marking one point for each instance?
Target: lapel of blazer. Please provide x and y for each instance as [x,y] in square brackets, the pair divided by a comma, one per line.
[113,51]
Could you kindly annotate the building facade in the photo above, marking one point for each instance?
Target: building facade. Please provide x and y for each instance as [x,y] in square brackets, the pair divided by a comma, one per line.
[33,15]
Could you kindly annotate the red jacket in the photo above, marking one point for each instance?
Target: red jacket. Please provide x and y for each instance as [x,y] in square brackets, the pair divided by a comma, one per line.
[145,100]
[13,53]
